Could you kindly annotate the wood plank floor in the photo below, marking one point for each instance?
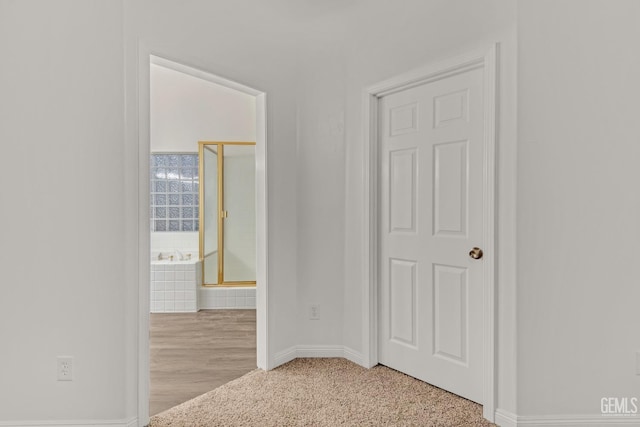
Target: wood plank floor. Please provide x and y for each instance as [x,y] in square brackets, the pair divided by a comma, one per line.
[192,353]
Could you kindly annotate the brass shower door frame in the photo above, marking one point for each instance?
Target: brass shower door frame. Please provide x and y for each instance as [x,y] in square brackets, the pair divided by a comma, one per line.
[222,213]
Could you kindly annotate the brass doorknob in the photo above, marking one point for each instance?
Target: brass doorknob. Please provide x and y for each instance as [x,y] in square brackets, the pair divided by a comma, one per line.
[476,253]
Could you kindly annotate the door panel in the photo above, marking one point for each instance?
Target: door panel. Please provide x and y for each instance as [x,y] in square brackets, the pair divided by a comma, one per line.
[430,206]
[403,301]
[450,196]
[402,191]
[450,299]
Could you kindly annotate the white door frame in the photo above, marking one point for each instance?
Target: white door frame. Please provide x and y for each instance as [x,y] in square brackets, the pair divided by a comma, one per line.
[487,59]
[264,357]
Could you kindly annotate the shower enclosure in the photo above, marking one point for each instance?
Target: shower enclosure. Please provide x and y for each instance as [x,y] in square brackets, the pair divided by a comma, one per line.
[227,213]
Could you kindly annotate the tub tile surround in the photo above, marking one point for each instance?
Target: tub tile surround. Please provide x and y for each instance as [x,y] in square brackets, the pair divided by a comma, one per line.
[174,287]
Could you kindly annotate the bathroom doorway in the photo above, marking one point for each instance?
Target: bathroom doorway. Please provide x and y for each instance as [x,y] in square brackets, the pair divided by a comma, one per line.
[186,106]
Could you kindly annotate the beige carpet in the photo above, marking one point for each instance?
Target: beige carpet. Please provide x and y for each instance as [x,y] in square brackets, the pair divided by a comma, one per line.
[324,392]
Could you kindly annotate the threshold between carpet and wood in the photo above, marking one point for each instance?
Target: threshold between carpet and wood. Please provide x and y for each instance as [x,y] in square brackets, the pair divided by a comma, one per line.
[193,353]
[324,392]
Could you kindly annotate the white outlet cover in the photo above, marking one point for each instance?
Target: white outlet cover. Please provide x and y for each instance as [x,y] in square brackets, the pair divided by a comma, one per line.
[65,368]
[314,312]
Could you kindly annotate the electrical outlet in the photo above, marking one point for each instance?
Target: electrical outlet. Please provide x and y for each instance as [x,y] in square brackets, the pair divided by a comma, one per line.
[314,312]
[65,368]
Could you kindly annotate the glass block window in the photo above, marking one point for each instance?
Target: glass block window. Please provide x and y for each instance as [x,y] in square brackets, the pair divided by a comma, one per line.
[174,192]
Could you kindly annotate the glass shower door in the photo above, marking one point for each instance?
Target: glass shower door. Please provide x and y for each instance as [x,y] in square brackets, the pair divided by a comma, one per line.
[228,213]
[239,206]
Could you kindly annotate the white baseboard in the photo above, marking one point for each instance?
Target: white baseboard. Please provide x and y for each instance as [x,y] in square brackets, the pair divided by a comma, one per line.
[354,356]
[132,422]
[320,351]
[298,351]
[507,419]
[577,421]
[284,356]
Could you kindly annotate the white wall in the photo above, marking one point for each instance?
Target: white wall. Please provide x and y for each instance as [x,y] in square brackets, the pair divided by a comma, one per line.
[578,204]
[320,175]
[388,40]
[168,242]
[62,115]
[187,109]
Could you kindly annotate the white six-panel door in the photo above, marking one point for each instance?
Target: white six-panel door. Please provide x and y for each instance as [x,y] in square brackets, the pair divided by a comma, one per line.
[431,178]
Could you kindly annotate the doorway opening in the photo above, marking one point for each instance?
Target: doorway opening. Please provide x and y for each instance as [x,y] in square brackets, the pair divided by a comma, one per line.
[173,215]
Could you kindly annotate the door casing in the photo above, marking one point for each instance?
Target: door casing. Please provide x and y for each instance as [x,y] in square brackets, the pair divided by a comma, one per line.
[487,59]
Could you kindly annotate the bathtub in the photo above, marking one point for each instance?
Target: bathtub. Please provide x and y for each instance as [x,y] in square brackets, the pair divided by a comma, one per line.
[174,285]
